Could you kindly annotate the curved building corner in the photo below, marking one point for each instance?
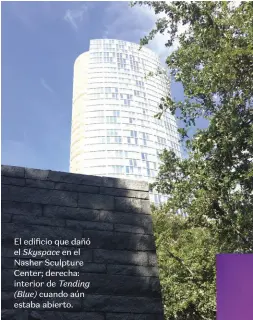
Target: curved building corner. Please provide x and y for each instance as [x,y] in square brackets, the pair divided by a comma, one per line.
[114,132]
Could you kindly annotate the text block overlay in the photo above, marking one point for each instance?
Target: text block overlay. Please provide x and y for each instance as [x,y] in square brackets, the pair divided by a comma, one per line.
[77,247]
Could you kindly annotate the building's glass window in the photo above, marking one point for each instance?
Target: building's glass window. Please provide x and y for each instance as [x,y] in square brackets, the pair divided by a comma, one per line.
[111,119]
[112,132]
[144,156]
[115,169]
[145,135]
[133,162]
[117,139]
[129,170]
[133,134]
[116,113]
[161,140]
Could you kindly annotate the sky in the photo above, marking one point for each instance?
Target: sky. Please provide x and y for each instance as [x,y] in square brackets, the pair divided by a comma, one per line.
[40,42]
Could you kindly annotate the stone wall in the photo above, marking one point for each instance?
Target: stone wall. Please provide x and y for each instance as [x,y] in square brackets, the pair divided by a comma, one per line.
[113,213]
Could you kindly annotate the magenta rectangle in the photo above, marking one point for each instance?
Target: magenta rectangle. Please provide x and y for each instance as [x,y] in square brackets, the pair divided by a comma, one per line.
[234,286]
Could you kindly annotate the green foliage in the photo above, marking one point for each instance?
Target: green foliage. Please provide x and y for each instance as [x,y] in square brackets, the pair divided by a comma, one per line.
[186,258]
[214,185]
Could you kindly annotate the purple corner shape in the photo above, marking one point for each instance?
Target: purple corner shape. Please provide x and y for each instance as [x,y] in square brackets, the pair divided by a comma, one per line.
[234,286]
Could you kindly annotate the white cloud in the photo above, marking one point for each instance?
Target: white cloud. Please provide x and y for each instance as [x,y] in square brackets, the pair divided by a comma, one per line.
[131,24]
[75,16]
[123,21]
[46,85]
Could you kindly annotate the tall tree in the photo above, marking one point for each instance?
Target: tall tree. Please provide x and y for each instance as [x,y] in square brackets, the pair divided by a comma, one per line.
[186,257]
[214,185]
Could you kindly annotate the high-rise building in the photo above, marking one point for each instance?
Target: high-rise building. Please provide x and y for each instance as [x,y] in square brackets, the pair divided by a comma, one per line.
[114,132]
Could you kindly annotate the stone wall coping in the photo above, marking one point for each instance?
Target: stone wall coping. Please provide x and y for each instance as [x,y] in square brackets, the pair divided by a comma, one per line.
[73,178]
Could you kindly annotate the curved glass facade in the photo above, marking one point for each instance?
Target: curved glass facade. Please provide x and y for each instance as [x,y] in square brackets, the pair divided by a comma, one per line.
[114,132]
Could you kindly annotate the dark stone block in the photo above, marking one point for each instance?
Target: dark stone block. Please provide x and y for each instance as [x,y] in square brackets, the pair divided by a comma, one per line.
[30,220]
[71,213]
[74,178]
[36,174]
[7,300]
[120,257]
[122,304]
[7,279]
[76,187]
[63,177]
[43,196]
[132,205]
[39,184]
[5,217]
[86,225]
[12,171]
[141,220]
[50,315]
[7,252]
[13,181]
[96,201]
[128,228]
[128,241]
[11,207]
[124,184]
[152,259]
[133,316]
[93,268]
[124,193]
[8,314]
[56,315]
[143,271]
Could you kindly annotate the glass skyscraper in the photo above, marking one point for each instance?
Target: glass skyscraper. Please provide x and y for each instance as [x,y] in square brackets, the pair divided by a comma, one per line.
[114,132]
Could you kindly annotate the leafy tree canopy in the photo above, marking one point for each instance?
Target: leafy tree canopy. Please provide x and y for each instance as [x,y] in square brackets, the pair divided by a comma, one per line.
[214,185]
[186,257]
